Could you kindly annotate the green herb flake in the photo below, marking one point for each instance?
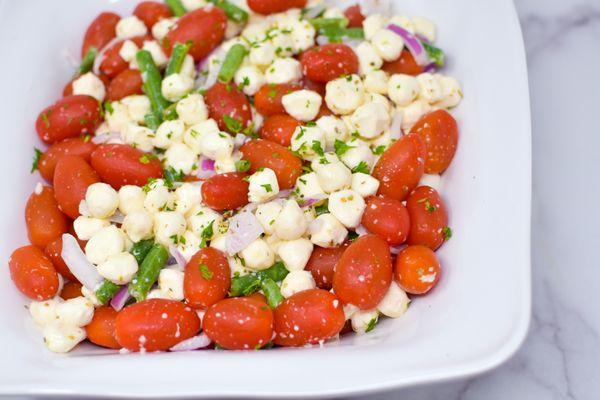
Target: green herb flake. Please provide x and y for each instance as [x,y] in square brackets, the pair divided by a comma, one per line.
[268,188]
[316,146]
[362,167]
[242,165]
[37,153]
[207,274]
[447,232]
[379,150]
[232,124]
[371,325]
[341,148]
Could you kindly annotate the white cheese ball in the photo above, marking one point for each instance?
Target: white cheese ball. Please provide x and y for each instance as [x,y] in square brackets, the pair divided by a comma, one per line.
[131,198]
[138,225]
[258,255]
[77,311]
[162,27]
[201,217]
[86,227]
[297,281]
[167,226]
[106,242]
[262,186]
[424,27]
[169,132]
[89,84]
[262,54]
[267,214]
[358,154]
[403,89]
[128,51]
[370,120]
[394,303]
[187,196]
[118,118]
[368,58]
[156,51]
[216,145]
[307,187]
[334,128]
[303,105]
[283,70]
[327,231]
[432,180]
[139,137]
[138,106]
[189,245]
[344,95]
[284,46]
[192,109]
[413,112]
[295,253]
[157,294]
[119,268]
[188,68]
[361,320]
[349,310]
[102,200]
[61,338]
[175,86]
[290,223]
[250,79]
[303,35]
[129,27]
[372,24]
[334,12]
[158,198]
[181,158]
[347,206]
[170,282]
[388,44]
[44,312]
[451,92]
[219,242]
[225,165]
[191,5]
[364,184]
[306,138]
[333,176]
[431,89]
[193,135]
[376,82]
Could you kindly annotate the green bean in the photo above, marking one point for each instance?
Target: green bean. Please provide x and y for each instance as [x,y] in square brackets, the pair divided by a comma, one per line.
[337,34]
[152,121]
[87,62]
[176,7]
[277,272]
[148,272]
[231,63]
[232,11]
[177,56]
[140,249]
[106,291]
[247,284]
[325,23]
[152,82]
[272,292]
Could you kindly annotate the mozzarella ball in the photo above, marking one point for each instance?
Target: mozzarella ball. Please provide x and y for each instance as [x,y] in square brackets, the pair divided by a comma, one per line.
[262,54]
[262,186]
[359,153]
[431,180]
[129,27]
[138,106]
[290,223]
[403,89]
[191,5]
[431,89]
[297,281]
[327,231]
[162,27]
[77,311]
[344,95]
[86,227]
[333,176]
[157,294]
[60,338]
[168,225]
[216,145]
[186,197]
[89,84]
[347,206]
[424,27]
[168,132]
[181,158]
[190,245]
[102,200]
[44,312]
[106,242]
[376,82]
[138,225]
[139,137]
[158,198]
[201,217]
[303,35]
[295,253]
[192,109]
[333,12]
[175,86]
[372,24]
[170,282]
[188,68]
[395,302]
[283,70]
[156,51]
[119,268]
[193,135]
[303,105]
[334,129]
[258,255]
[306,138]
[451,92]
[284,46]
[118,117]
[266,214]
[225,165]
[368,58]
[131,198]
[364,184]
[349,310]
[250,79]
[362,320]
[413,112]
[307,187]
[128,51]
[370,120]
[388,44]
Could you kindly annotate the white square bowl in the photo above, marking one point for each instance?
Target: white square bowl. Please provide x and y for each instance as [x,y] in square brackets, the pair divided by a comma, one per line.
[474,320]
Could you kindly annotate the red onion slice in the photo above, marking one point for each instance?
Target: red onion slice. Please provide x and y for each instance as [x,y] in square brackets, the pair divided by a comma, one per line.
[207,72]
[78,264]
[361,230]
[100,56]
[106,137]
[397,249]
[120,299]
[84,209]
[118,217]
[179,258]
[244,228]
[310,201]
[194,343]
[414,45]
[206,168]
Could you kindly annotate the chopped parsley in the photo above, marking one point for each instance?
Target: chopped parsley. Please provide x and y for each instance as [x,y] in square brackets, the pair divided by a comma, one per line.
[108,108]
[362,167]
[145,159]
[316,146]
[352,236]
[379,150]
[447,232]
[171,175]
[207,233]
[232,124]
[177,239]
[37,153]
[428,206]
[371,325]
[206,272]
[268,188]
[341,148]
[321,209]
[242,165]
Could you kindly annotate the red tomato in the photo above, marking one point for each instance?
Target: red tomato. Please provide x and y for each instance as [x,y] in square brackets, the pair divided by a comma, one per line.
[101,331]
[321,265]
[72,177]
[387,218]
[73,146]
[428,218]
[268,98]
[318,87]
[33,273]
[207,278]
[45,222]
[405,64]
[417,269]
[439,132]
[364,273]
[308,317]
[226,99]
[274,6]
[53,252]
[112,63]
[144,327]
[121,164]
[400,167]
[279,129]
[225,191]
[239,323]
[150,12]
[69,117]
[100,32]
[266,154]
[204,27]
[127,83]
[257,296]
[70,290]
[355,16]
[329,61]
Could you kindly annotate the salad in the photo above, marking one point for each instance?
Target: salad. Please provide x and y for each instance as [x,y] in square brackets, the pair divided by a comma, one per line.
[238,175]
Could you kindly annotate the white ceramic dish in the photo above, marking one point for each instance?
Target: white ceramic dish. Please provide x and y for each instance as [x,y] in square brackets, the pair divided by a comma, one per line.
[474,320]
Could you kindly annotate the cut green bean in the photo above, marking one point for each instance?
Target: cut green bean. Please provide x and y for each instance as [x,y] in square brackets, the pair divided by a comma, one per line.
[176,7]
[177,57]
[232,11]
[231,63]
[106,291]
[277,272]
[152,83]
[140,250]
[152,121]
[328,23]
[87,62]
[247,284]
[148,272]
[271,291]
[337,34]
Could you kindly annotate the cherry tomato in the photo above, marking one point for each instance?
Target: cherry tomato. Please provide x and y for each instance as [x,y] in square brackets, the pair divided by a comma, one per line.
[143,326]
[315,86]
[204,27]
[266,154]
[329,61]
[207,278]
[279,129]
[239,323]
[121,164]
[321,265]
[364,273]
[428,218]
[268,98]
[324,111]
[33,273]
[417,269]
[400,167]
[274,6]
[439,132]
[226,99]
[112,63]
[74,146]
[405,64]
[101,331]
[150,12]
[127,83]
[72,177]
[53,252]
[45,222]
[387,218]
[308,317]
[70,290]
[225,191]
[257,296]
[69,117]
[355,16]
[101,31]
